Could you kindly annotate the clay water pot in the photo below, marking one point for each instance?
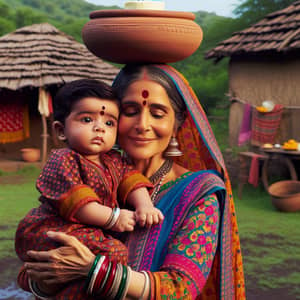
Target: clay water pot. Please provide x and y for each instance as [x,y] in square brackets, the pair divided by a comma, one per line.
[31,154]
[142,36]
[285,195]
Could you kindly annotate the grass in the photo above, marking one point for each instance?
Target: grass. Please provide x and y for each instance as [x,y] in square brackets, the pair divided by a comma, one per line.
[15,200]
[270,239]
[270,242]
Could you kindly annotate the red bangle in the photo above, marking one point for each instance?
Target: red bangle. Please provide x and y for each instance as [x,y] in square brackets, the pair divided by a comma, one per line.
[101,274]
[110,279]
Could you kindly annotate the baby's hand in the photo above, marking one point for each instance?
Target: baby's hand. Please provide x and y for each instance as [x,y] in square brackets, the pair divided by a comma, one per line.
[125,222]
[148,215]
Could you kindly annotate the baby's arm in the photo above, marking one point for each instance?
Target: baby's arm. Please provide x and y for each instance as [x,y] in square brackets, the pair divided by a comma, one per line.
[94,213]
[146,213]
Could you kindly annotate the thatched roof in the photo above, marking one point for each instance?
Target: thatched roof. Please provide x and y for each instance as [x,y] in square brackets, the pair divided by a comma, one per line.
[41,55]
[278,32]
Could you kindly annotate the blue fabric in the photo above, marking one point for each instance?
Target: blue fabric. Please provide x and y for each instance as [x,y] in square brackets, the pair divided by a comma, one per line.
[168,203]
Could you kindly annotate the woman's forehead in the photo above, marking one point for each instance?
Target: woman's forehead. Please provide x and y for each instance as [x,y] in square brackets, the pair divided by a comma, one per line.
[145,89]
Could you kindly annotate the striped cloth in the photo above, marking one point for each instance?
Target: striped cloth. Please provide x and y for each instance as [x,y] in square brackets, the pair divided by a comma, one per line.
[265,125]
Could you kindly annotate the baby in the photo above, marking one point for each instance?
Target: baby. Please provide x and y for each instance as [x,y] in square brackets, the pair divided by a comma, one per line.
[80,185]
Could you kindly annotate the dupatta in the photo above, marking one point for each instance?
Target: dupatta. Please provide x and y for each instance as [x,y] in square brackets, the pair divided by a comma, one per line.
[201,152]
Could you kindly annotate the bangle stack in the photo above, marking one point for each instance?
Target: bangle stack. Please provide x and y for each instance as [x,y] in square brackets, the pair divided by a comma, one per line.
[109,280]
[113,218]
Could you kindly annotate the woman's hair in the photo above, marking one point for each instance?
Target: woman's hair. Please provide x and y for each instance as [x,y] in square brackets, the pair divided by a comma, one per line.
[131,73]
[68,95]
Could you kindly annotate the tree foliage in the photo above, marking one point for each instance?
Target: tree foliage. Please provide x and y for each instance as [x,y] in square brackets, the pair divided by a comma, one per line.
[251,11]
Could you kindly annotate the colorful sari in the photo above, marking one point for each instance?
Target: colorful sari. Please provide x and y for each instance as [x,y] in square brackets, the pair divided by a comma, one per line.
[201,152]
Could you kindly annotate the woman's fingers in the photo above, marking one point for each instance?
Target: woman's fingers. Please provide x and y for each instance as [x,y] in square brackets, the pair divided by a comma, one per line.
[38,255]
[63,238]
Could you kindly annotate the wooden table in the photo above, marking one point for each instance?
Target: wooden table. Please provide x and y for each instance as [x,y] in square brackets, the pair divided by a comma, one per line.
[286,156]
[266,157]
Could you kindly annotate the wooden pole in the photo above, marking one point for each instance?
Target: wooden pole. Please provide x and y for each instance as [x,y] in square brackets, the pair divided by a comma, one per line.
[44,139]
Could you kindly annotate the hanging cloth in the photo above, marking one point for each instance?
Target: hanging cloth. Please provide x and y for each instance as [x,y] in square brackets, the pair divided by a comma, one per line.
[14,122]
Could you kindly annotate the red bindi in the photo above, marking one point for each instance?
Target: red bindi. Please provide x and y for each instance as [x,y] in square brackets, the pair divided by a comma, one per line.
[102,111]
[145,94]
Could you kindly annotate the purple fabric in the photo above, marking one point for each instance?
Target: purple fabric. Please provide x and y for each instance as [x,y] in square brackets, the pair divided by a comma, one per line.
[245,130]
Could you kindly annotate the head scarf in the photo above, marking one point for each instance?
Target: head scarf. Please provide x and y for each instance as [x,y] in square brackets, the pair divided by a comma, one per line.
[201,152]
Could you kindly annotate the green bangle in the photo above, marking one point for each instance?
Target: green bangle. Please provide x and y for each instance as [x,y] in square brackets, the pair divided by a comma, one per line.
[122,283]
[91,271]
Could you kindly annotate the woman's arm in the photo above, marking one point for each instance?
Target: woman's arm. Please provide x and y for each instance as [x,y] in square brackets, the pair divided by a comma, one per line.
[56,268]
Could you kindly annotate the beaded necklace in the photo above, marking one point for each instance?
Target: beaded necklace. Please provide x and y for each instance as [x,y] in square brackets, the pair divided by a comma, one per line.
[158,177]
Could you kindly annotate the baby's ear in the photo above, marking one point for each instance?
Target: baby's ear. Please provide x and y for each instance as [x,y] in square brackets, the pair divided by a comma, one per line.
[59,129]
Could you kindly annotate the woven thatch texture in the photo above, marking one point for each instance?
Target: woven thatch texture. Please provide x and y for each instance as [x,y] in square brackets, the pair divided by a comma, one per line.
[277,32]
[41,55]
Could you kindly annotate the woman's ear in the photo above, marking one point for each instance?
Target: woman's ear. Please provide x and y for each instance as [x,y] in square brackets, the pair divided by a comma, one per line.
[58,128]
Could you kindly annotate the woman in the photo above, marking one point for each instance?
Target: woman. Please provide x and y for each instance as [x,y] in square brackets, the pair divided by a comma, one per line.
[195,253]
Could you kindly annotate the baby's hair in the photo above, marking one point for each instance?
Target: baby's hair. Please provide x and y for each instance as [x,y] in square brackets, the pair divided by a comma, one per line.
[76,90]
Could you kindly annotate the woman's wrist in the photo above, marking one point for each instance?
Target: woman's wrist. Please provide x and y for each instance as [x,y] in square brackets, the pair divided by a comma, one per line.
[109,280]
[37,292]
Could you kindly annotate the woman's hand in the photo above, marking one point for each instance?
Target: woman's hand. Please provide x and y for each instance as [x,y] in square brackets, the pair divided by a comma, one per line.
[60,265]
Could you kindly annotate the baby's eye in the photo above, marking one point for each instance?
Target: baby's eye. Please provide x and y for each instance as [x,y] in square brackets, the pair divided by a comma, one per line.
[86,119]
[110,123]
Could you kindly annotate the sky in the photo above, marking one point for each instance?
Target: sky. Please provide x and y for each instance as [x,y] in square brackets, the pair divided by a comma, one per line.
[220,7]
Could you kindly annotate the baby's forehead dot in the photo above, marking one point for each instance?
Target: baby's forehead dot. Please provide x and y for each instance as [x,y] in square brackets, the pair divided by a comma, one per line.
[103,107]
[144,102]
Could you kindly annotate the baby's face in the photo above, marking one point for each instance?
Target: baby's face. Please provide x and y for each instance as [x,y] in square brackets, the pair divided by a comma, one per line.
[91,127]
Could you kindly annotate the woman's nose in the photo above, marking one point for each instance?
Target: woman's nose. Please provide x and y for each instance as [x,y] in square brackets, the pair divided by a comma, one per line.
[143,123]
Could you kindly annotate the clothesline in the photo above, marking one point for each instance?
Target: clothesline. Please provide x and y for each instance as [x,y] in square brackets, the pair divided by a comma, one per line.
[245,102]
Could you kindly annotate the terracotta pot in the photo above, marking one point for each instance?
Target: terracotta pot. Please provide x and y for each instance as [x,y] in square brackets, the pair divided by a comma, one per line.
[285,195]
[136,35]
[30,154]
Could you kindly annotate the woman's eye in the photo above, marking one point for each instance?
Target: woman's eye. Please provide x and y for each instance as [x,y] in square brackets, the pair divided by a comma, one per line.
[86,119]
[158,114]
[110,123]
[129,111]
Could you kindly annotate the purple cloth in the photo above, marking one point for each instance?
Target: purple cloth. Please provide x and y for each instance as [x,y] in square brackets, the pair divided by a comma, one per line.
[245,130]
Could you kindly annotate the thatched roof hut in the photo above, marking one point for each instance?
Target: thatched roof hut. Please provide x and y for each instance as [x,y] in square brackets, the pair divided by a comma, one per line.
[40,57]
[265,65]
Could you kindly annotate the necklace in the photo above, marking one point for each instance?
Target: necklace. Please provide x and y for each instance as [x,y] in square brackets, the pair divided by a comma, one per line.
[158,177]
[162,171]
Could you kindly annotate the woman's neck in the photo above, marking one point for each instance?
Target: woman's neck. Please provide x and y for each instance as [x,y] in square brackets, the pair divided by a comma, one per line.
[149,166]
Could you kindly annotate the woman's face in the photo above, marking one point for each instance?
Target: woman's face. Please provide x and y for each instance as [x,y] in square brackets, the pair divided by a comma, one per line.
[147,120]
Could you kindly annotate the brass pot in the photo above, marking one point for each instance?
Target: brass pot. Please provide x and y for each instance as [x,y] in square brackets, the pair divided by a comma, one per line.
[31,154]
[285,195]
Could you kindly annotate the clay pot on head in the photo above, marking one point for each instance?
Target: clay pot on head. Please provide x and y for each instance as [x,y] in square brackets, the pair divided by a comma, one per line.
[31,154]
[285,195]
[142,36]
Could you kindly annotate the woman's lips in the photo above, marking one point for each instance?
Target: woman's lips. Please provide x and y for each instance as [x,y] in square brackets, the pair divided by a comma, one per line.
[141,140]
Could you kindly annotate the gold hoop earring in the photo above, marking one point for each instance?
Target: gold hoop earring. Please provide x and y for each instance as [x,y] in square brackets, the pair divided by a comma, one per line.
[173,149]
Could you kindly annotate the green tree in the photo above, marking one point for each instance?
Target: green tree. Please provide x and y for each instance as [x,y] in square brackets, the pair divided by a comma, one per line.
[26,16]
[251,11]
